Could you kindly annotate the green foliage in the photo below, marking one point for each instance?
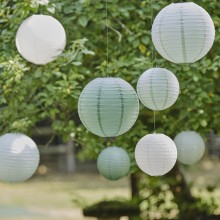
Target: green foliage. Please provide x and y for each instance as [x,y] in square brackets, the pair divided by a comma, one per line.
[40,89]
[157,201]
[30,93]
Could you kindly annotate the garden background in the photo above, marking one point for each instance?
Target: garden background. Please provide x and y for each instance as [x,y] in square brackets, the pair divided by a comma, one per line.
[32,97]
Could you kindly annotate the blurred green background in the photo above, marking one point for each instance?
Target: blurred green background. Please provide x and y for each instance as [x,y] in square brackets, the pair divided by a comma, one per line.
[33,98]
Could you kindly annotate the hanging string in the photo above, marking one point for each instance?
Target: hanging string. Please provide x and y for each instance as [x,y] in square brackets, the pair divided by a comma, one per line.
[155,122]
[152,46]
[107,33]
[153,51]
[153,56]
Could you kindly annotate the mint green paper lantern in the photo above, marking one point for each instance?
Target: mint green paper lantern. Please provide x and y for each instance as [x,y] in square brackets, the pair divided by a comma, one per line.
[190,147]
[108,107]
[113,163]
[158,88]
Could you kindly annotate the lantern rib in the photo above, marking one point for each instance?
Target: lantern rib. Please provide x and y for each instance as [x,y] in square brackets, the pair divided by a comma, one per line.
[183,40]
[204,39]
[160,37]
[122,107]
[151,90]
[164,158]
[98,109]
[167,90]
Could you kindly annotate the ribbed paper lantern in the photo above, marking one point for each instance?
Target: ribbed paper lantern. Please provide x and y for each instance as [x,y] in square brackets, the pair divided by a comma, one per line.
[108,107]
[113,163]
[158,88]
[40,39]
[190,147]
[155,154]
[183,32]
[19,157]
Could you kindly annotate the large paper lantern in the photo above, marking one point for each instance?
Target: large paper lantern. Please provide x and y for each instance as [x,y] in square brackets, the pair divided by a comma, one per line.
[19,157]
[183,32]
[190,147]
[113,163]
[155,154]
[108,107]
[40,39]
[158,88]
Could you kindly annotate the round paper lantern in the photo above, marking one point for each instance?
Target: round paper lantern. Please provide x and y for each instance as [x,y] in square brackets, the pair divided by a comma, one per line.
[190,147]
[113,163]
[155,154]
[40,39]
[19,157]
[108,107]
[183,32]
[158,88]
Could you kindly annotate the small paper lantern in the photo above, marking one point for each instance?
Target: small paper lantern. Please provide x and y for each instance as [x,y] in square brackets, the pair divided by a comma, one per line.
[40,39]
[108,107]
[190,147]
[155,154]
[113,163]
[183,32]
[19,157]
[158,88]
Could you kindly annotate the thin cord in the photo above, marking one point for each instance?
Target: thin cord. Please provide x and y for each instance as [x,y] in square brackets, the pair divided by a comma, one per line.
[155,58]
[153,55]
[105,141]
[152,13]
[107,30]
[155,122]
[152,46]
[153,51]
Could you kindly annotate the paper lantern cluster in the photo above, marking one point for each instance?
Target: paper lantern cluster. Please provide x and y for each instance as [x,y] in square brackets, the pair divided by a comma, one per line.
[183,32]
[113,163]
[40,39]
[108,106]
[158,88]
[19,157]
[190,147]
[155,154]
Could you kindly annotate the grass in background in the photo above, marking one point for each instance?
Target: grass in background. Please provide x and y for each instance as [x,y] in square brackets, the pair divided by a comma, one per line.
[51,197]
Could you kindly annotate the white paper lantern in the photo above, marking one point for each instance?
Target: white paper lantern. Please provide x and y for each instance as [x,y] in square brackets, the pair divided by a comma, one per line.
[108,107]
[40,39]
[113,163]
[158,88]
[183,32]
[155,154]
[190,147]
[19,157]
